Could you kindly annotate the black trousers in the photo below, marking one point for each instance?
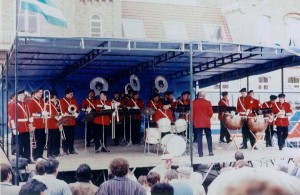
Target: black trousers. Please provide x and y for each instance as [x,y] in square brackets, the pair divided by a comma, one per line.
[269,135]
[24,145]
[98,135]
[208,138]
[13,144]
[40,138]
[90,127]
[68,144]
[224,133]
[53,143]
[136,131]
[247,135]
[282,133]
[119,131]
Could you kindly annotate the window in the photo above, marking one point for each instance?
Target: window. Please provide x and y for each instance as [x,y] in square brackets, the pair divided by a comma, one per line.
[263,83]
[175,31]
[27,22]
[96,26]
[225,86]
[263,30]
[293,29]
[133,28]
[214,32]
[293,82]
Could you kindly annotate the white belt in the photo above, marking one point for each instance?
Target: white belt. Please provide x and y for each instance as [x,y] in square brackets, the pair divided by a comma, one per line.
[22,120]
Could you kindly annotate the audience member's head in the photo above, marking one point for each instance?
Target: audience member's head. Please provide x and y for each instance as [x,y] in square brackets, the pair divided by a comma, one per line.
[51,166]
[170,175]
[40,166]
[153,178]
[282,166]
[162,189]
[239,155]
[167,160]
[184,172]
[143,180]
[6,172]
[240,164]
[84,173]
[33,187]
[119,167]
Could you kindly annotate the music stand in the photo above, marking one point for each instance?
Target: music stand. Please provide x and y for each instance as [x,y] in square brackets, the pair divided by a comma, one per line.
[102,113]
[130,141]
[124,136]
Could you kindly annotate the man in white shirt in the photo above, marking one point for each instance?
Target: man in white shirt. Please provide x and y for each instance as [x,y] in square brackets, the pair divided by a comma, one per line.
[6,176]
[54,185]
[163,168]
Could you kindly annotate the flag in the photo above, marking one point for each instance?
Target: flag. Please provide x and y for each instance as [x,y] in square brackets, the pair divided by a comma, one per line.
[48,9]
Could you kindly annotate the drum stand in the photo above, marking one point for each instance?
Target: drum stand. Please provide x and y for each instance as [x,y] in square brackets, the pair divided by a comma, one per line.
[124,137]
[232,137]
[130,141]
[258,139]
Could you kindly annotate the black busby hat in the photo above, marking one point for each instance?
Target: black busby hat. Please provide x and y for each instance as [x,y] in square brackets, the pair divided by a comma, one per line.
[69,90]
[224,93]
[243,90]
[273,97]
[282,95]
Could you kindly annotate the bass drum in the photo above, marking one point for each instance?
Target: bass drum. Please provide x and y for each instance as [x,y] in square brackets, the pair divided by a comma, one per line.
[180,125]
[173,144]
[164,125]
[258,124]
[232,122]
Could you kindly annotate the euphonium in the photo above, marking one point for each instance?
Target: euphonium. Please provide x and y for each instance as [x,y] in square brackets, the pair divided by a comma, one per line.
[72,109]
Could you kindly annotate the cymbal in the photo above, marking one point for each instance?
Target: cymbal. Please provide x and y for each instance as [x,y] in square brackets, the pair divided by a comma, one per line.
[148,111]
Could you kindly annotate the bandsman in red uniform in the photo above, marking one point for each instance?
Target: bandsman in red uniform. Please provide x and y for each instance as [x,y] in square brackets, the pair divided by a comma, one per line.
[155,102]
[9,109]
[282,110]
[23,125]
[87,106]
[53,142]
[270,129]
[69,129]
[169,97]
[224,103]
[202,113]
[119,130]
[184,101]
[39,114]
[102,123]
[136,119]
[164,112]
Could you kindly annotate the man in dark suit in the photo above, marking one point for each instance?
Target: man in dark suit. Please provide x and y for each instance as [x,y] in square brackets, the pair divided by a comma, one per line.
[202,112]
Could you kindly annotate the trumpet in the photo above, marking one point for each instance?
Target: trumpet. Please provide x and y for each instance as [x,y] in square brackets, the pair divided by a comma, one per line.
[32,136]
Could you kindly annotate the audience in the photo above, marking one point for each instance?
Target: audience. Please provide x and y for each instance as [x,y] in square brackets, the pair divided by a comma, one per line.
[296,170]
[162,189]
[33,187]
[163,168]
[152,179]
[143,180]
[120,184]
[6,186]
[83,186]
[170,175]
[54,185]
[39,168]
[282,166]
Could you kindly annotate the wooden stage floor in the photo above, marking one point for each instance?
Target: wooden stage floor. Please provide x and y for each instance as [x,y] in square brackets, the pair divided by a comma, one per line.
[137,159]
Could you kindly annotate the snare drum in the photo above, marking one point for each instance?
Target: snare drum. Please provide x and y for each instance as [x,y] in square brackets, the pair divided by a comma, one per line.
[180,125]
[153,136]
[173,144]
[164,125]
[258,124]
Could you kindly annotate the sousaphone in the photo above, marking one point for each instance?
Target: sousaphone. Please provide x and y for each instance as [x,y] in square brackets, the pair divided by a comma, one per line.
[135,83]
[161,83]
[99,84]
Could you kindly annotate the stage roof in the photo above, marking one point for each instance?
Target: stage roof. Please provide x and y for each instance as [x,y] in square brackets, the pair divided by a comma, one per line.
[44,58]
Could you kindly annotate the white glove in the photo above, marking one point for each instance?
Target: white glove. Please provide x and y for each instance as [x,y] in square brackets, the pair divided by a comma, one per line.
[114,114]
[45,113]
[76,114]
[88,110]
[14,131]
[107,107]
[135,107]
[31,120]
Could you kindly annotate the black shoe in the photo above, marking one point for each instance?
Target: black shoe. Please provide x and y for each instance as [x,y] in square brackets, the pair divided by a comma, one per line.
[255,148]
[280,148]
[211,153]
[229,141]
[73,152]
[104,150]
[31,162]
[200,155]
[243,147]
[66,153]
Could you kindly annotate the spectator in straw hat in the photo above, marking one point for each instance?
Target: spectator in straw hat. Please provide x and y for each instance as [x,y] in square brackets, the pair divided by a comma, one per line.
[163,168]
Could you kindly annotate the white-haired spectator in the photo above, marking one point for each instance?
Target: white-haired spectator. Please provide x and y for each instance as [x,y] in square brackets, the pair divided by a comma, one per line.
[163,168]
[170,175]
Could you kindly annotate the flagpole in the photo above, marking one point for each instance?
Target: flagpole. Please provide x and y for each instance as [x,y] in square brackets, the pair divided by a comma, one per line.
[16,101]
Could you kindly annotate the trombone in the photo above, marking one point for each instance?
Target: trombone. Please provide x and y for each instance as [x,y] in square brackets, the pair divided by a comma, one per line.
[47,97]
[60,127]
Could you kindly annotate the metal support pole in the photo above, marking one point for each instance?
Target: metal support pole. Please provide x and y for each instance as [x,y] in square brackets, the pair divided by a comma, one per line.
[247,83]
[16,111]
[220,89]
[6,95]
[282,81]
[2,108]
[191,104]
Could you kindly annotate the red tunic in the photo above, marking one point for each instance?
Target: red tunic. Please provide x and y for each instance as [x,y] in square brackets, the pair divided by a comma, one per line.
[23,116]
[136,103]
[36,107]
[103,119]
[276,107]
[161,113]
[251,104]
[64,103]
[88,103]
[154,104]
[183,102]
[224,103]
[266,105]
[202,112]
[10,103]
[52,121]
[240,106]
